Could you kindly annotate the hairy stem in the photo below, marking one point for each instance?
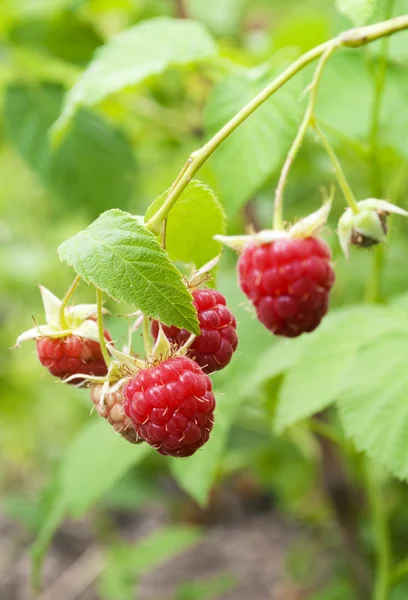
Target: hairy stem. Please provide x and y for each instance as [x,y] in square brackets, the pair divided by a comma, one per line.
[380,526]
[341,178]
[62,318]
[101,332]
[376,179]
[294,149]
[353,38]
[343,497]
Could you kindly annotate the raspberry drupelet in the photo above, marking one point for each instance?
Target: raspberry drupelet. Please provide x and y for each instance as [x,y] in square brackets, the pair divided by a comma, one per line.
[213,349]
[289,283]
[171,406]
[112,411]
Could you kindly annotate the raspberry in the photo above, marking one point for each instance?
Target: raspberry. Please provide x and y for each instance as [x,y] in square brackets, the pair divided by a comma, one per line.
[71,354]
[113,412]
[289,282]
[171,406]
[213,349]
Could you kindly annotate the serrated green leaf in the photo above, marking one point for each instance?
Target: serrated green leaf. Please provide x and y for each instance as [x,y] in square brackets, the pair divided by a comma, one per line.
[358,11]
[374,405]
[135,54]
[93,165]
[92,464]
[245,160]
[122,258]
[193,221]
[320,373]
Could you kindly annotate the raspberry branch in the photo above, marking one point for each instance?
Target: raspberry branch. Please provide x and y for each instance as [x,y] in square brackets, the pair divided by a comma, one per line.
[101,332]
[306,123]
[341,178]
[64,303]
[353,38]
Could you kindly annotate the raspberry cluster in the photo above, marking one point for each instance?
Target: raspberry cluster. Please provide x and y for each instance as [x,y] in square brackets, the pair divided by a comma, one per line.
[288,281]
[213,349]
[171,406]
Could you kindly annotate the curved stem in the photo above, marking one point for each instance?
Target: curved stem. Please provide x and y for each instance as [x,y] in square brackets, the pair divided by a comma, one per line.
[353,38]
[341,178]
[380,527]
[101,332]
[294,149]
[146,337]
[62,318]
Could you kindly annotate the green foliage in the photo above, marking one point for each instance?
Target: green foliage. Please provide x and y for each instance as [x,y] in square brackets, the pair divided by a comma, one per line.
[134,55]
[128,562]
[374,406]
[122,258]
[93,165]
[358,11]
[195,219]
[205,590]
[319,374]
[254,151]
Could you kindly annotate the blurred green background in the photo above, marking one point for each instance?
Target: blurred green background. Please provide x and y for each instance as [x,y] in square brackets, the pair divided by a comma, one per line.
[123,153]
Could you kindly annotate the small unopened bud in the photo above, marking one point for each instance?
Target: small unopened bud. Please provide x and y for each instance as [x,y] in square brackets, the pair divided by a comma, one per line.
[368,226]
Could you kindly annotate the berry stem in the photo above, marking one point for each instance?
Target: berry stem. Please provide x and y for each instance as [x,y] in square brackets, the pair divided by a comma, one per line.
[101,332]
[381,536]
[297,142]
[353,38]
[146,337]
[341,178]
[62,318]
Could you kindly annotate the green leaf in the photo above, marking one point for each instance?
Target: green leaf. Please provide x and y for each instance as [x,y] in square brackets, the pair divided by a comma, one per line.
[122,258]
[193,221]
[358,11]
[374,405]
[93,463]
[196,474]
[256,149]
[127,562]
[319,375]
[92,166]
[132,56]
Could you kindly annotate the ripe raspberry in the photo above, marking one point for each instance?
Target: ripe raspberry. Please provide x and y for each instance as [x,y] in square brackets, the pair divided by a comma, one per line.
[113,412]
[213,349]
[171,406]
[289,282]
[68,355]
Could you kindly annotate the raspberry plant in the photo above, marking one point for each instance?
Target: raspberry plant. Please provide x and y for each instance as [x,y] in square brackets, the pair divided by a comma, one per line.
[162,264]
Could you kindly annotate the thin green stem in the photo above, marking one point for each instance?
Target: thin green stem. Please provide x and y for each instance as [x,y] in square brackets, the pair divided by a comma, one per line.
[353,38]
[380,76]
[62,318]
[380,527]
[400,571]
[373,287]
[146,337]
[297,142]
[341,178]
[101,331]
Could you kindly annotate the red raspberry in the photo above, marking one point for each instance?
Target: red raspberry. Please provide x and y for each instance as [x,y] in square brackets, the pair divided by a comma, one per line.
[68,355]
[289,282]
[213,349]
[171,406]
[113,412]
